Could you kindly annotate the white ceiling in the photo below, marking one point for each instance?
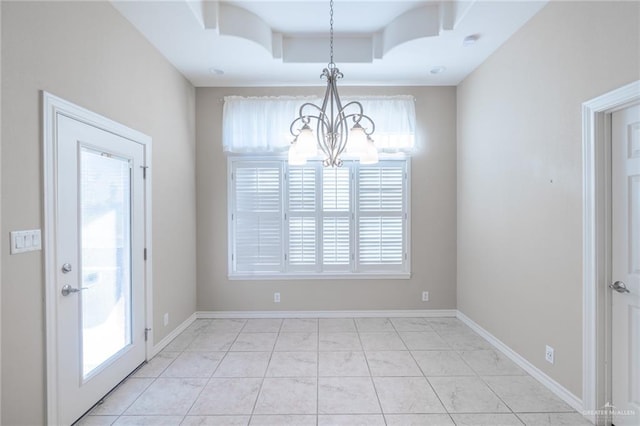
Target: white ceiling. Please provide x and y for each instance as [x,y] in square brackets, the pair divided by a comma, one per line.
[285,43]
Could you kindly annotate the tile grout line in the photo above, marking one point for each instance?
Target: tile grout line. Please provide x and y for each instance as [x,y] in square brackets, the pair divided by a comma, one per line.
[155,379]
[478,376]
[408,350]
[264,376]
[142,392]
[214,370]
[111,392]
[366,360]
[484,381]
[281,330]
[150,384]
[130,376]
[424,375]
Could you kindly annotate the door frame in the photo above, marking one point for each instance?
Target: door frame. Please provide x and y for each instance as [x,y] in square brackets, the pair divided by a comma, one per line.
[596,249]
[52,106]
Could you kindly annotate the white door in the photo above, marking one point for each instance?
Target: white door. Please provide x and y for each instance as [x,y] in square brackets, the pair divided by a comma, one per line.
[100,262]
[626,267]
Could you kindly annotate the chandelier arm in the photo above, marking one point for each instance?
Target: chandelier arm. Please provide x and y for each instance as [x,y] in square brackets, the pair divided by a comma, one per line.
[343,132]
[357,118]
[340,129]
[343,137]
[333,82]
[323,134]
[332,154]
[327,125]
[356,103]
[327,93]
[304,119]
[326,139]
[310,105]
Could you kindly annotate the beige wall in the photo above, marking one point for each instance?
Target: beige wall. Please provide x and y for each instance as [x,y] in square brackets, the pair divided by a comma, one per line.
[433,217]
[87,53]
[0,213]
[519,176]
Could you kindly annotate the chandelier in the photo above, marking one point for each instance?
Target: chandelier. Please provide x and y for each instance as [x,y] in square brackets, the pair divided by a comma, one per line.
[331,121]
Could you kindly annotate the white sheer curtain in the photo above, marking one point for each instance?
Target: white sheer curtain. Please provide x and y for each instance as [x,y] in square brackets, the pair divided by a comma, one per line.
[395,120]
[261,124]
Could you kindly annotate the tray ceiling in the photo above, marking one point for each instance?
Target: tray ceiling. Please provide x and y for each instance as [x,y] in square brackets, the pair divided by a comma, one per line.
[286,43]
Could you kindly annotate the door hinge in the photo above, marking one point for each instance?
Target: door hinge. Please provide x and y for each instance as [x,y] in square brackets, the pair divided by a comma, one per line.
[405,256]
[232,257]
[146,334]
[144,171]
[285,257]
[145,253]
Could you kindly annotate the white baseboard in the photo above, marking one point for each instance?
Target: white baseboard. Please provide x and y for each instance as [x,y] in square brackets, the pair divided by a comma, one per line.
[408,313]
[555,387]
[169,337]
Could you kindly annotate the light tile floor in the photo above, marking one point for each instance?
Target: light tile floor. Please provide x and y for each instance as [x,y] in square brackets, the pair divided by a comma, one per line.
[363,371]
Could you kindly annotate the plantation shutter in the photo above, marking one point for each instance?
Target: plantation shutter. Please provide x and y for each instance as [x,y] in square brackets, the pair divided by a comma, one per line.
[381,216]
[336,218]
[301,218]
[311,220]
[257,217]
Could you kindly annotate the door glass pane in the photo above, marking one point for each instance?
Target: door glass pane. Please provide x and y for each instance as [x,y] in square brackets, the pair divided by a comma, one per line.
[105,221]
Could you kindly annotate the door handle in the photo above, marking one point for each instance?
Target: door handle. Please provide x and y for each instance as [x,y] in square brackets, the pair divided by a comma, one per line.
[67,290]
[619,287]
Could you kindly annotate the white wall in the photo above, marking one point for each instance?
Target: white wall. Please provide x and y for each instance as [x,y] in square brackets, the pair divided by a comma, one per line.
[87,53]
[433,213]
[520,176]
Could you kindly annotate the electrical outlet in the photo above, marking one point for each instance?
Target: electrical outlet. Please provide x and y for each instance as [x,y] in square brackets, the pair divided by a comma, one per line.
[276,297]
[425,296]
[166,319]
[548,354]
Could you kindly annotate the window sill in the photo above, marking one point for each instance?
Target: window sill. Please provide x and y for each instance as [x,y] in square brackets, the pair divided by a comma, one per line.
[321,276]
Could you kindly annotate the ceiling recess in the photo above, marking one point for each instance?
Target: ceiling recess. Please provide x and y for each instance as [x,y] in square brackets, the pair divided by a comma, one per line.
[275,43]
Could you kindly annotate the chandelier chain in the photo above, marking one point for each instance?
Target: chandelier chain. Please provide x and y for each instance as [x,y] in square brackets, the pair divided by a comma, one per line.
[331,63]
[332,116]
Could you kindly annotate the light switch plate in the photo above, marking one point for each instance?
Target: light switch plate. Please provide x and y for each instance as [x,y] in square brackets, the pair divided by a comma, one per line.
[24,241]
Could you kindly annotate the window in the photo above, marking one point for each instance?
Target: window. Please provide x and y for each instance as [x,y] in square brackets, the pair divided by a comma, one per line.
[312,221]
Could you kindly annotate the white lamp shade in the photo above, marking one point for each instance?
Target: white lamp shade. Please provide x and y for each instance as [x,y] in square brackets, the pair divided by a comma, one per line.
[295,157]
[306,141]
[370,156]
[357,142]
